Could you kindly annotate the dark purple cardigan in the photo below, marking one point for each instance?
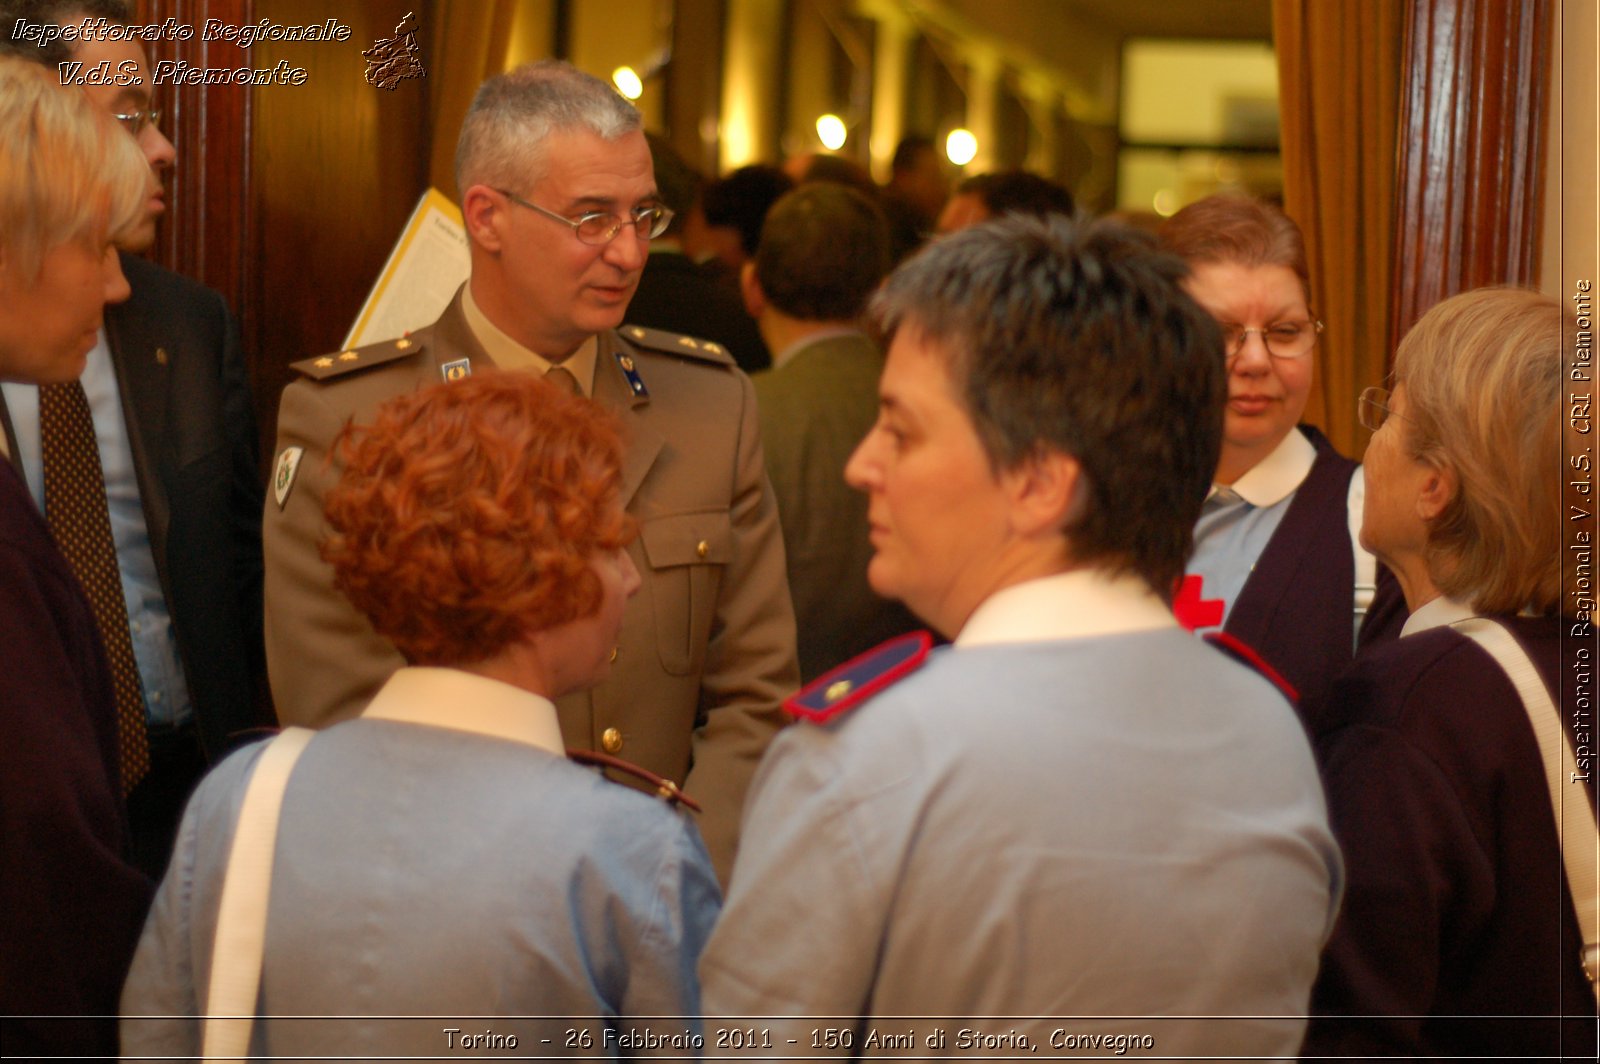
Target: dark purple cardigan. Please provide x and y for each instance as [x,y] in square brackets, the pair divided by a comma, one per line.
[71,905]
[1455,905]
[1295,609]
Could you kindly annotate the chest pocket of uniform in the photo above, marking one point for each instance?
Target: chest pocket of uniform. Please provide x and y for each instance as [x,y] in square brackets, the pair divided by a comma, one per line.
[686,554]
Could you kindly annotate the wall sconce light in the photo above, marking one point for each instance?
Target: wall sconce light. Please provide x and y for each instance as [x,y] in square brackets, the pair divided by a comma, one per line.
[832,132]
[961,147]
[628,82]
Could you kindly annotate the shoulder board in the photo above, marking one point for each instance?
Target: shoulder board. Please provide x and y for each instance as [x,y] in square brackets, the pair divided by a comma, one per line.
[676,344]
[860,678]
[340,363]
[666,790]
[1244,654]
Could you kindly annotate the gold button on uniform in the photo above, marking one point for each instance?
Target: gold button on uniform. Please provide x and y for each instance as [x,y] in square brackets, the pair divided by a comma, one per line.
[613,654]
[611,741]
[702,548]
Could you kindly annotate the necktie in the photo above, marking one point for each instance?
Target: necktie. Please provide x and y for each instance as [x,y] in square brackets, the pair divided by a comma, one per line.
[562,378]
[75,508]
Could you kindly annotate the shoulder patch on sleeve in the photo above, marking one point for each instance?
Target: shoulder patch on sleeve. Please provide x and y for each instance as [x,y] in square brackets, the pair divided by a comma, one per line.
[1244,654]
[340,363]
[860,678]
[676,344]
[283,472]
[666,790]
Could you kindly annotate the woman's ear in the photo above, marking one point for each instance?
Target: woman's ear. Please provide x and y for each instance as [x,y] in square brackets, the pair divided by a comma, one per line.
[1048,492]
[1439,487]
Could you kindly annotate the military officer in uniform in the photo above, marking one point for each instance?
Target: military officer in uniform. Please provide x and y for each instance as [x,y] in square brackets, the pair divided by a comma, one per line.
[559,200]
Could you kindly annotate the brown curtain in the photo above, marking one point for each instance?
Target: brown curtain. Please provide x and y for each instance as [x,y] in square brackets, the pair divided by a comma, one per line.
[471,41]
[1340,70]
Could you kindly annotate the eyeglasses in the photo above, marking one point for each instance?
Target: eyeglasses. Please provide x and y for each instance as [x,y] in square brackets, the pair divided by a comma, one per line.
[1284,340]
[135,121]
[599,228]
[1373,408]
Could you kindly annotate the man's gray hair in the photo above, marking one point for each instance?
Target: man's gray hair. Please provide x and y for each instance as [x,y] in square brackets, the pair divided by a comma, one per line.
[502,138]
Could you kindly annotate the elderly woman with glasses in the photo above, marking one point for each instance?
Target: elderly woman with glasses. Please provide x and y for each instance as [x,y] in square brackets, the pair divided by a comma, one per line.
[439,855]
[71,187]
[1275,563]
[1458,934]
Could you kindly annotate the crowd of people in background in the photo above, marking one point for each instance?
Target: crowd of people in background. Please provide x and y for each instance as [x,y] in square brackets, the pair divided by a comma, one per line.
[607,597]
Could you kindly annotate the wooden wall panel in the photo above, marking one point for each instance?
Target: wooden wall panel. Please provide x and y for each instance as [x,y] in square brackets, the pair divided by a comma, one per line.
[1471,145]
[203,234]
[287,198]
[336,166]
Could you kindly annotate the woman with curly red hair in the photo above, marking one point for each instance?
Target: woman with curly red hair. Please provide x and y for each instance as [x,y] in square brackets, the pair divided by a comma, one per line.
[439,856]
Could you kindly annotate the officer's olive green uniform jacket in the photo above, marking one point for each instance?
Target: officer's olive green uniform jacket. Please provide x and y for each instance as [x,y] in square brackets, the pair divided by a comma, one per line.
[707,649]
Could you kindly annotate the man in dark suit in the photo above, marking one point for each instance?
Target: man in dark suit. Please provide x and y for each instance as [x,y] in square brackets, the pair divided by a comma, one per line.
[169,397]
[823,250]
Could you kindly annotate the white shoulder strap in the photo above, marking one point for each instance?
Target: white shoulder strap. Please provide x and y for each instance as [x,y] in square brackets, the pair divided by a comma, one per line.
[1366,565]
[1569,802]
[236,949]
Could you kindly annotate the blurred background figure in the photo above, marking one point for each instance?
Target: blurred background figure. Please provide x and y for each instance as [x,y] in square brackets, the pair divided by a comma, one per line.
[985,196]
[678,294]
[71,184]
[1276,562]
[1457,903]
[439,855]
[916,193]
[724,233]
[823,250]
[821,166]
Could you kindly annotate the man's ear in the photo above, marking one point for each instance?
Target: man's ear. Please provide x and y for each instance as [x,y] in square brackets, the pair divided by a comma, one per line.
[1048,492]
[1439,487]
[755,298]
[484,211]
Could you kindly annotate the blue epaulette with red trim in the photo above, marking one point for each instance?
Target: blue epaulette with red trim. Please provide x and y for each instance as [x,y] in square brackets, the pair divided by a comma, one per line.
[860,678]
[1244,654]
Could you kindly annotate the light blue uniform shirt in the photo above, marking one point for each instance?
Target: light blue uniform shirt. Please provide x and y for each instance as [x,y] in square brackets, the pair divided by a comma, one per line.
[439,866]
[155,648]
[1238,521]
[1077,811]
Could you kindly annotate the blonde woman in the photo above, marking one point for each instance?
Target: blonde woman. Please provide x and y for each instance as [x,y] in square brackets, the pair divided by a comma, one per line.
[71,186]
[1456,904]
